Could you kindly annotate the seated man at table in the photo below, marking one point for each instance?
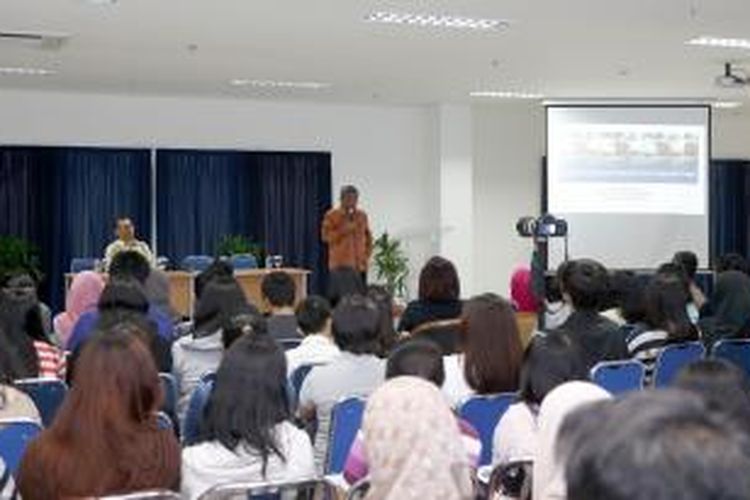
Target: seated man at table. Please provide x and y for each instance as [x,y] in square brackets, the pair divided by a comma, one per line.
[279,293]
[126,242]
[124,265]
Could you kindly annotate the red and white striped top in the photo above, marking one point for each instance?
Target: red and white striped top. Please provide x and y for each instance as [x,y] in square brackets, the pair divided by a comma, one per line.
[52,362]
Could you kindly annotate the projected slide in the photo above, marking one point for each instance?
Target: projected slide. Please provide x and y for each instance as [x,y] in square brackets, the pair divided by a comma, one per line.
[631,181]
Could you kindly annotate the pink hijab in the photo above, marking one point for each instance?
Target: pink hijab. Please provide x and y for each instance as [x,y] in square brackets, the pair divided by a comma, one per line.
[521,291]
[83,295]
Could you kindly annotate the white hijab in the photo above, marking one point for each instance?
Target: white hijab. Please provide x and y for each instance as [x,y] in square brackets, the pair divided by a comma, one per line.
[549,475]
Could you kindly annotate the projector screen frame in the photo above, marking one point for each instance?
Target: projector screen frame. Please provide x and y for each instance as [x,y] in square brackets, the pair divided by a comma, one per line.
[631,105]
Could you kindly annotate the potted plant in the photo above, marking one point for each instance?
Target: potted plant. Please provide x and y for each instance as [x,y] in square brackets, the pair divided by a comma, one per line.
[391,264]
[236,244]
[18,256]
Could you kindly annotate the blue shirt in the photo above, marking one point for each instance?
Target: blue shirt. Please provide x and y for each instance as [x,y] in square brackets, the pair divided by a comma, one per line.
[87,321]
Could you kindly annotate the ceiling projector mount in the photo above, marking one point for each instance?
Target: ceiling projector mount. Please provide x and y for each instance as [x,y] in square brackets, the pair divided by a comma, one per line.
[733,77]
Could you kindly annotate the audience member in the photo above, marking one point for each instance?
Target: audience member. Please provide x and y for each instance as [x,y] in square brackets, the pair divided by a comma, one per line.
[631,302]
[521,292]
[387,332]
[127,265]
[279,294]
[343,282]
[243,325]
[82,296]
[105,438]
[556,310]
[246,433]
[730,308]
[200,351]
[414,446]
[157,291]
[31,352]
[660,445]
[439,296]
[584,284]
[731,262]
[490,357]
[678,271]
[549,361]
[124,301]
[666,320]
[357,371]
[724,387]
[14,404]
[619,286]
[422,359]
[219,269]
[688,261]
[318,346]
[548,471]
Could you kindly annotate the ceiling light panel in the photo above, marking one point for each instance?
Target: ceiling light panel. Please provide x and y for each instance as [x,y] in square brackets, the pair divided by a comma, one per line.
[497,94]
[727,104]
[278,84]
[25,71]
[727,43]
[436,21]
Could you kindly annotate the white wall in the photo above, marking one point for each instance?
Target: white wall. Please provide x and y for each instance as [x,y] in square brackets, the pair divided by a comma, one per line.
[389,152]
[731,134]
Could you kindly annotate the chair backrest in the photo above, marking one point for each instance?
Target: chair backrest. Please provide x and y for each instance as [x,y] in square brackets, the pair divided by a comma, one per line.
[527,325]
[15,436]
[445,333]
[736,351]
[169,387]
[359,490]
[163,421]
[288,344]
[673,358]
[619,377]
[145,495]
[346,420]
[198,400]
[243,261]
[484,412]
[196,263]
[302,489]
[47,394]
[81,264]
[299,375]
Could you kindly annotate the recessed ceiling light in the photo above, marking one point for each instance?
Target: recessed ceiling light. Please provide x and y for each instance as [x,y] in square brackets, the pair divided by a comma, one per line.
[727,43]
[436,21]
[496,94]
[25,71]
[101,2]
[727,104]
[245,82]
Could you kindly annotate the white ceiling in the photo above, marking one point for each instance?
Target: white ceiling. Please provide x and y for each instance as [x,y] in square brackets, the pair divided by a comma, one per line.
[560,48]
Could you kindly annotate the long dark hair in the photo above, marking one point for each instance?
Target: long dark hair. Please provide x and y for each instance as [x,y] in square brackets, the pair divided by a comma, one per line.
[387,331]
[666,299]
[122,300]
[20,325]
[491,345]
[249,398]
[438,281]
[221,300]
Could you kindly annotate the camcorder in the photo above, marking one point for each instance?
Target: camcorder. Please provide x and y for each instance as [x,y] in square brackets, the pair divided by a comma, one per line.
[546,226]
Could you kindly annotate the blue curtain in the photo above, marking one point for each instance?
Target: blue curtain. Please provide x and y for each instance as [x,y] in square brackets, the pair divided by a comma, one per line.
[729,206]
[275,199]
[65,200]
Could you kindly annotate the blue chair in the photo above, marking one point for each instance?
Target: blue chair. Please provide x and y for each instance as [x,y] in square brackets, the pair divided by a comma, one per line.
[81,264]
[619,377]
[196,263]
[305,488]
[163,421]
[346,419]
[196,406]
[299,375]
[484,413]
[673,358]
[169,387]
[288,344]
[243,261]
[47,394]
[15,436]
[736,351]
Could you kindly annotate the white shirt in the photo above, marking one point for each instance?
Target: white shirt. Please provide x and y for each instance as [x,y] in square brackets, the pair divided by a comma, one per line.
[314,349]
[210,464]
[119,246]
[515,435]
[455,388]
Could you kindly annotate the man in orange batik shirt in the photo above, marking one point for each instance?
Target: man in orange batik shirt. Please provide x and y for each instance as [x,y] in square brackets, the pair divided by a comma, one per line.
[346,231]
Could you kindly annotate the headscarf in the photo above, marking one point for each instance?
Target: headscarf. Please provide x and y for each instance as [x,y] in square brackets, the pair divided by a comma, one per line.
[731,305]
[549,473]
[84,293]
[413,444]
[521,292]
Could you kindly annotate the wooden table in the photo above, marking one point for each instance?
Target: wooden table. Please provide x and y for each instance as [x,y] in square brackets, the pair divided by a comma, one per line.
[181,287]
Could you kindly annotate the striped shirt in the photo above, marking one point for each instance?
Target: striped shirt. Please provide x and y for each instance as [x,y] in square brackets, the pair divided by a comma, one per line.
[52,362]
[645,346]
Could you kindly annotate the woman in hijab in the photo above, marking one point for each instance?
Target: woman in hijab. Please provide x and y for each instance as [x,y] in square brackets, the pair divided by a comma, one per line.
[414,444]
[83,296]
[548,469]
[731,308]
